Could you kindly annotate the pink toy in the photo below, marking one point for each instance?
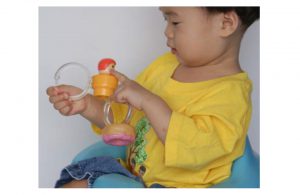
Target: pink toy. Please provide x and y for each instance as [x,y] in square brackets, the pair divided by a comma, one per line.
[104,85]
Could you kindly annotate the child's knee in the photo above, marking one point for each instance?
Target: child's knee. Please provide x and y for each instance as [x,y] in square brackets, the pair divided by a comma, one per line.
[116,181]
[76,184]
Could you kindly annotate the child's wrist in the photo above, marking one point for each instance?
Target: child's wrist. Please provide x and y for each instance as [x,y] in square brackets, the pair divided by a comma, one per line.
[85,112]
[147,100]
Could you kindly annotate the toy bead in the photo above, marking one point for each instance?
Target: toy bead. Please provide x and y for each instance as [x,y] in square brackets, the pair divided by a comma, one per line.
[104,83]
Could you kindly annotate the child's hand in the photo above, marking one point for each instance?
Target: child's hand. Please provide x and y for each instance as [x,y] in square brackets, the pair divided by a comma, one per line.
[155,108]
[59,97]
[130,91]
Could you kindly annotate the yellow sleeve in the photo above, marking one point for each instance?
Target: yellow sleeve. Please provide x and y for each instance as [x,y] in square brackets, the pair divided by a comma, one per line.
[208,130]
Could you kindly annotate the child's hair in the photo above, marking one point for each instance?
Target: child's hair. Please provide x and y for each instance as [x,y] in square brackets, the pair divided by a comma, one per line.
[247,15]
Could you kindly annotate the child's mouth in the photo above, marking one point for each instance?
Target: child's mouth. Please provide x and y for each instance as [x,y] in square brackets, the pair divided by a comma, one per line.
[174,51]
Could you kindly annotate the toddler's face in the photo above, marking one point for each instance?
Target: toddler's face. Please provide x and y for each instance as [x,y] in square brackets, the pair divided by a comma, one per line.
[192,34]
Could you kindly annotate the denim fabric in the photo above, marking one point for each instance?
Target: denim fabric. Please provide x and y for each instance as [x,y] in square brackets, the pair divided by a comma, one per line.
[91,169]
[156,185]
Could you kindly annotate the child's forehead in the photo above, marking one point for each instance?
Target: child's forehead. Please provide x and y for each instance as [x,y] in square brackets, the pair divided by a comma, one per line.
[179,11]
[169,10]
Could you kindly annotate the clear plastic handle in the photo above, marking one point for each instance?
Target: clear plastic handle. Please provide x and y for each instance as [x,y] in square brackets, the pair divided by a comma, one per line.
[107,122]
[87,73]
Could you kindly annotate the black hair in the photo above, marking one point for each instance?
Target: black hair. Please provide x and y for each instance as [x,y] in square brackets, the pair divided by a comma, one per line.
[247,15]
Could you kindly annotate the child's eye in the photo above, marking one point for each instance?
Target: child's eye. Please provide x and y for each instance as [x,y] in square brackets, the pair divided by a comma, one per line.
[175,23]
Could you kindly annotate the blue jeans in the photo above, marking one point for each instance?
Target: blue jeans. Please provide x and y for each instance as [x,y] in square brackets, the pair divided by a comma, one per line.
[93,168]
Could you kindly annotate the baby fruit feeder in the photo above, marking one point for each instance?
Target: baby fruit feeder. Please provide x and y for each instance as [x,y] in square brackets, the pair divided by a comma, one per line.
[104,85]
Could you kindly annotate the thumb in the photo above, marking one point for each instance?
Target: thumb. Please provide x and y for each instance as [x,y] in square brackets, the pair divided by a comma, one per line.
[121,77]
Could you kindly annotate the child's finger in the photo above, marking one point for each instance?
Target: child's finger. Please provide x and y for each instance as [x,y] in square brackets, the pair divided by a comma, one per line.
[65,110]
[121,77]
[60,97]
[119,89]
[61,105]
[119,95]
[51,91]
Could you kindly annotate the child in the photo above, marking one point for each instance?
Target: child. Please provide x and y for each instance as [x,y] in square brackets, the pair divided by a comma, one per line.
[195,102]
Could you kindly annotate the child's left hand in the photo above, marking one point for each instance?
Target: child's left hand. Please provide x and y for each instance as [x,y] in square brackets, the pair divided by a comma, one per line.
[130,91]
[155,108]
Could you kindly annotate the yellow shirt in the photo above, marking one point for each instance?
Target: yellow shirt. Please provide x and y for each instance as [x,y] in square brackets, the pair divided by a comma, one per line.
[206,133]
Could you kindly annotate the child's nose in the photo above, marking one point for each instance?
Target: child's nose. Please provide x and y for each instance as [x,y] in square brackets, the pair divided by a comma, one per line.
[168,32]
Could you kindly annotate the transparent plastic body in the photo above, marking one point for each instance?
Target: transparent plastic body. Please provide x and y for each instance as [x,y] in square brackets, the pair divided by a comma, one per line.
[107,105]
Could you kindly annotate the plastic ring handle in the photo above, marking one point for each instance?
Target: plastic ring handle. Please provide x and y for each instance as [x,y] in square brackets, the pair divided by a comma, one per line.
[87,73]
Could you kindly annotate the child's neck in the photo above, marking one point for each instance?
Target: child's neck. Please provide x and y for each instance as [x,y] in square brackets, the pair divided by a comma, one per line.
[206,72]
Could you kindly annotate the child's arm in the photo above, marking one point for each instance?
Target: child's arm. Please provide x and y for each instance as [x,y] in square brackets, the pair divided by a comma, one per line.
[158,113]
[94,111]
[154,107]
[89,107]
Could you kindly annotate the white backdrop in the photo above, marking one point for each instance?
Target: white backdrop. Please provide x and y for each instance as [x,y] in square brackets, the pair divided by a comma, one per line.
[134,37]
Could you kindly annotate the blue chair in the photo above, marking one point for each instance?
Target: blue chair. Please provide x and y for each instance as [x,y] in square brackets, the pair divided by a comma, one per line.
[245,170]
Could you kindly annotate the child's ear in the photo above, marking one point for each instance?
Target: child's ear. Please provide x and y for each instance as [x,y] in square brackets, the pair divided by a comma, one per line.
[229,23]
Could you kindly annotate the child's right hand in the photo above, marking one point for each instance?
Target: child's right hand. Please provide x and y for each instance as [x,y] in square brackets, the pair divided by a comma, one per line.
[59,97]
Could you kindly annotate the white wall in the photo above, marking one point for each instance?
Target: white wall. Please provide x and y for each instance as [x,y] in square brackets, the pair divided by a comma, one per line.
[131,35]
[250,61]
